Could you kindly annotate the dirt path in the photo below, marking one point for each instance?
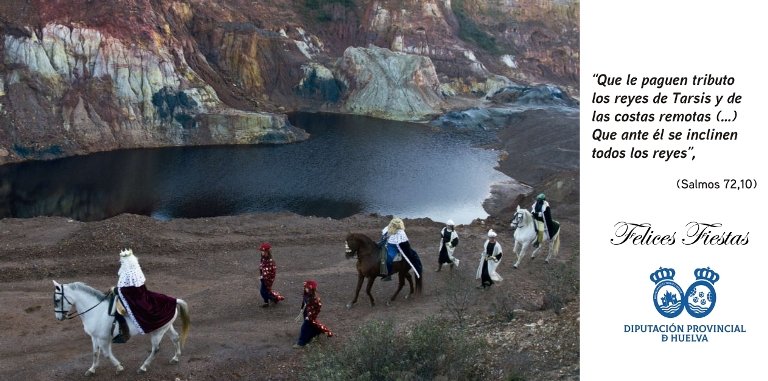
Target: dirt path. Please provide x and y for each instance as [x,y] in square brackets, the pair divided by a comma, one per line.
[213,264]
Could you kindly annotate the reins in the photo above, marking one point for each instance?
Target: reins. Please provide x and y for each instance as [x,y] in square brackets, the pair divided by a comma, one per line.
[67,314]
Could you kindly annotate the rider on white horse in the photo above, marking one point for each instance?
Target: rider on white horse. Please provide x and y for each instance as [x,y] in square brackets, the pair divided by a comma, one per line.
[543,216]
[148,310]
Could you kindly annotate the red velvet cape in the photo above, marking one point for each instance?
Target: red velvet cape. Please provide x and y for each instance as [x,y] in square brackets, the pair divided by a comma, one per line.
[151,310]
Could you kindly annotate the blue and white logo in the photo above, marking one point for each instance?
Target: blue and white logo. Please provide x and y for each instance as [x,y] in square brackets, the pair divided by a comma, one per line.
[699,300]
[668,296]
[701,297]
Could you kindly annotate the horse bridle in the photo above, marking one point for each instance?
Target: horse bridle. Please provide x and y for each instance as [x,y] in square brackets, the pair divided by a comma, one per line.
[66,313]
[348,251]
[517,219]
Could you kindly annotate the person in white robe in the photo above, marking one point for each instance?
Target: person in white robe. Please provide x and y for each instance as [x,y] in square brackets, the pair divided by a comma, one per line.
[489,261]
[449,239]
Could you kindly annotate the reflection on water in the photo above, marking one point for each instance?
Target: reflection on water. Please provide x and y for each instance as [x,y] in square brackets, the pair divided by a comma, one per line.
[350,164]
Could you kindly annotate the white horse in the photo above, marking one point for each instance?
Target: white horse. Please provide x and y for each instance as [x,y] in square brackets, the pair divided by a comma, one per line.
[525,235]
[92,306]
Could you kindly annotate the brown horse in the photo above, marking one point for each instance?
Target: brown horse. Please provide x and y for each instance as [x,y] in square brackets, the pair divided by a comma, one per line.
[367,253]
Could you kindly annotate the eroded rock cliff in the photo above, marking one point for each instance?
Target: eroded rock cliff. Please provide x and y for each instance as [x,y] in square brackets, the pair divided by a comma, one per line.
[77,90]
[80,76]
[388,84]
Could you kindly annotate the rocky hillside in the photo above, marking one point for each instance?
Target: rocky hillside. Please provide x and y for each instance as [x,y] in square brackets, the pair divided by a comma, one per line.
[81,76]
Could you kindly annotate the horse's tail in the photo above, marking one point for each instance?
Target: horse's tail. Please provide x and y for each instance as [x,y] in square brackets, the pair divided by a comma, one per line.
[418,283]
[556,244]
[184,313]
[418,267]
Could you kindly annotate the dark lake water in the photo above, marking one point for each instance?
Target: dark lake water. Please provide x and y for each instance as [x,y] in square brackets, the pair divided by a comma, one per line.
[350,164]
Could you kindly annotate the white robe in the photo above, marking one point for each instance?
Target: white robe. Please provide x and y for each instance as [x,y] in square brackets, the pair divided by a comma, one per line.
[396,239]
[492,264]
[130,274]
[448,248]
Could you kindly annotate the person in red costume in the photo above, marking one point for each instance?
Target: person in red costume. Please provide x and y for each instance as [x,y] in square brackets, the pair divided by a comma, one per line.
[310,308]
[267,273]
[146,309]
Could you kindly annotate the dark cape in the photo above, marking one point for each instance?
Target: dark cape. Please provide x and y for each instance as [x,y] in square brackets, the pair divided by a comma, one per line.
[150,310]
[405,247]
[552,226]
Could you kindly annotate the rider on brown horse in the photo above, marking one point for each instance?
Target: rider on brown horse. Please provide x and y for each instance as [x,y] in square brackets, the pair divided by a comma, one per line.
[397,243]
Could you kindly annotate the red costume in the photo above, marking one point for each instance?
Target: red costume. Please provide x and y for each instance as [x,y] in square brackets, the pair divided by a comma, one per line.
[311,307]
[268,271]
[150,310]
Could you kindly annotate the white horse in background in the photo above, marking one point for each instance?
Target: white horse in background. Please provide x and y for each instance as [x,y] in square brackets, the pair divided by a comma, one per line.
[92,306]
[525,235]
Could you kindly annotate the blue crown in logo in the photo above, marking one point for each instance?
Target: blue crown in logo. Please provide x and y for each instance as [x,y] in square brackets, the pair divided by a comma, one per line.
[706,274]
[662,274]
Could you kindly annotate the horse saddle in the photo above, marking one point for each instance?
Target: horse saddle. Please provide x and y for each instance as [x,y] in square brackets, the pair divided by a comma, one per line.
[383,253]
[117,309]
[115,304]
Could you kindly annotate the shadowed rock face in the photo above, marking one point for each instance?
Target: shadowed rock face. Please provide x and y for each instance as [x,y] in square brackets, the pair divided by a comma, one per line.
[81,76]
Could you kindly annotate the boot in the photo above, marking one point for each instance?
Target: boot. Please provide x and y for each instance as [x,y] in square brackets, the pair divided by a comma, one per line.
[387,278]
[439,267]
[125,332]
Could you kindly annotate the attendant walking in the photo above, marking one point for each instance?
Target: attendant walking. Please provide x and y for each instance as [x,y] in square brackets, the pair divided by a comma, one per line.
[267,274]
[489,261]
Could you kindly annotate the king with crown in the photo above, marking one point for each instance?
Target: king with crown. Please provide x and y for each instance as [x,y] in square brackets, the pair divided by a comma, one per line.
[146,309]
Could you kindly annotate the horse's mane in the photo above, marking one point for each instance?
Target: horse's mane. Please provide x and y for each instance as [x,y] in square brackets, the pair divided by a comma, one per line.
[363,238]
[527,216]
[86,288]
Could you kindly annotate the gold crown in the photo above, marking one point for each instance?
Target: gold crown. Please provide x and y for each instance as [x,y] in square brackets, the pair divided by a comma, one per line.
[707,274]
[662,274]
[126,252]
